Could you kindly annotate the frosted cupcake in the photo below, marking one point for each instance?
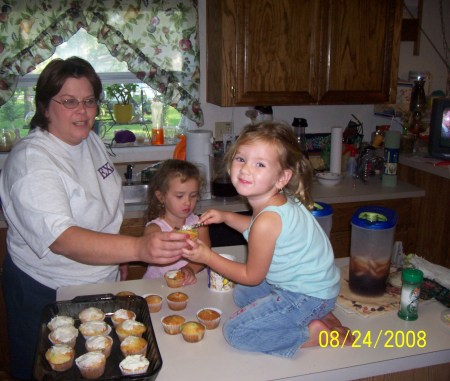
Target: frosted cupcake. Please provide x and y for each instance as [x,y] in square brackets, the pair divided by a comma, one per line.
[134,364]
[64,335]
[91,314]
[60,321]
[91,364]
[130,328]
[174,278]
[60,357]
[120,315]
[133,345]
[94,328]
[101,344]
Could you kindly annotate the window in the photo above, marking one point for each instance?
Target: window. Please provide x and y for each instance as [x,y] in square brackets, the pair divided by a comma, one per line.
[18,111]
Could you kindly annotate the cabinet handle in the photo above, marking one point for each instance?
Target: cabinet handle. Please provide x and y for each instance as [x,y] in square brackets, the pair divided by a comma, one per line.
[233,92]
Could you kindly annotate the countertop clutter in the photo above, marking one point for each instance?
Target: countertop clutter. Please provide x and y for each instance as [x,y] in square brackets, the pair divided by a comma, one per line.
[386,344]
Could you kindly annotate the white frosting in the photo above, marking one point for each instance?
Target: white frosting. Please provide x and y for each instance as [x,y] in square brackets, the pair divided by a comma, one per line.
[134,362]
[93,327]
[60,321]
[97,342]
[124,314]
[65,333]
[90,359]
[61,349]
[172,274]
[129,325]
[92,313]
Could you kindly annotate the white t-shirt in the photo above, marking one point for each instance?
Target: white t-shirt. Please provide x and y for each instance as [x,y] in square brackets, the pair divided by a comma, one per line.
[47,186]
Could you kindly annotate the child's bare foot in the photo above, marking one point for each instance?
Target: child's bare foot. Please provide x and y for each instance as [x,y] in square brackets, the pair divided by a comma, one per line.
[328,324]
[315,328]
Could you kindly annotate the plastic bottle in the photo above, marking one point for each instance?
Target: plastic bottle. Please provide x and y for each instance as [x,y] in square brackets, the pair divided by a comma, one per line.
[391,152]
[409,299]
[299,125]
[351,164]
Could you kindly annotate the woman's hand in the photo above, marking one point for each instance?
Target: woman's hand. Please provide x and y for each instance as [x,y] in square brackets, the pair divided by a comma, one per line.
[198,251]
[162,247]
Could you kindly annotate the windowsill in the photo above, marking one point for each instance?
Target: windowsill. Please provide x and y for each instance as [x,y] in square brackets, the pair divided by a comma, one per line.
[129,154]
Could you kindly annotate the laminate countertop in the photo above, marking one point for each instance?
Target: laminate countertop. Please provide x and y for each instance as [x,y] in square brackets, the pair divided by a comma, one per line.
[348,190]
[395,345]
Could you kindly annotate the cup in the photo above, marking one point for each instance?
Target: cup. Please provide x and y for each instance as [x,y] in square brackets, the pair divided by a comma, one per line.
[169,135]
[216,281]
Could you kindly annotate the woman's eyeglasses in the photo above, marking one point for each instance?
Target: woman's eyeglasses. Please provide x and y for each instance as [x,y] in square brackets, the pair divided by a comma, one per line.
[72,103]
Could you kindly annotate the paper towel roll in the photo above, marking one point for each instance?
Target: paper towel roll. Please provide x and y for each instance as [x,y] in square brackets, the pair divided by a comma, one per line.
[336,150]
[199,152]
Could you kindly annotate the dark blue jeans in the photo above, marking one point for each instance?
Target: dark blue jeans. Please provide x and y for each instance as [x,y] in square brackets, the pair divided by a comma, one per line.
[24,298]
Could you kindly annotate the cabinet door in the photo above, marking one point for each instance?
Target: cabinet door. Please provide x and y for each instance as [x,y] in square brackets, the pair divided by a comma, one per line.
[360,50]
[262,52]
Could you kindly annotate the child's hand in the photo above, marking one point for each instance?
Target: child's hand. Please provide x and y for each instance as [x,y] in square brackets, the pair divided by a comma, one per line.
[189,275]
[212,216]
[198,252]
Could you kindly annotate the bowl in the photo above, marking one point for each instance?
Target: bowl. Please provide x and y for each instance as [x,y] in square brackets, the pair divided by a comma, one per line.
[328,179]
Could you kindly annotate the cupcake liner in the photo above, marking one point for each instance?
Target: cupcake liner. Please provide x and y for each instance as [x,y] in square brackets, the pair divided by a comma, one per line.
[172,329]
[209,323]
[153,307]
[91,369]
[106,350]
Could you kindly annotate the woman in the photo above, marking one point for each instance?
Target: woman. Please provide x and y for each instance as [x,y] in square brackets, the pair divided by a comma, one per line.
[62,200]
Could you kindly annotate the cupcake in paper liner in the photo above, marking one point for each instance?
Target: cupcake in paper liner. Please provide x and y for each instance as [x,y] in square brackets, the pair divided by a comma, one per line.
[134,364]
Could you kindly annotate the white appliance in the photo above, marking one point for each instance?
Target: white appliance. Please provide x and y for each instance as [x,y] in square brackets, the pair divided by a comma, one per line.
[199,152]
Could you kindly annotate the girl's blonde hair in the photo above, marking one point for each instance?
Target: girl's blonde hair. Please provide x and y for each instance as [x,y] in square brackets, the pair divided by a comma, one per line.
[282,137]
[169,169]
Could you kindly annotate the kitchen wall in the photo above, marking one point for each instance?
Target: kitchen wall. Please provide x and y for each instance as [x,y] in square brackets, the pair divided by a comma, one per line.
[322,118]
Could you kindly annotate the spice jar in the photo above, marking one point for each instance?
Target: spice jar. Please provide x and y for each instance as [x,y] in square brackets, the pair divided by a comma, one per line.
[409,299]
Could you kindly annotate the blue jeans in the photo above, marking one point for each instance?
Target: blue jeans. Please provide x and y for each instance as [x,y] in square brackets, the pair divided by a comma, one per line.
[272,320]
[24,298]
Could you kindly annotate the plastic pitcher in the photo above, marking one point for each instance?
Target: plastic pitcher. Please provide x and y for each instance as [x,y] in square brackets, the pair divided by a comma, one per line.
[323,213]
[372,240]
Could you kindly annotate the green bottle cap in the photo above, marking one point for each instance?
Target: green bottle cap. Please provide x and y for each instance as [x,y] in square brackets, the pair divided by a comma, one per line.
[412,275]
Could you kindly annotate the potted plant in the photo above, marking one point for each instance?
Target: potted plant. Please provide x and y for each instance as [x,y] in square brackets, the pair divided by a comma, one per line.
[123,94]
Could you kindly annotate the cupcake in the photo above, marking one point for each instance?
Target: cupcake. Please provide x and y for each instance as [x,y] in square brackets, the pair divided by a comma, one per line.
[154,302]
[60,321]
[134,364]
[91,314]
[120,315]
[101,344]
[209,317]
[60,357]
[125,293]
[91,364]
[188,229]
[130,328]
[94,328]
[192,331]
[172,324]
[177,301]
[133,345]
[64,335]
[174,278]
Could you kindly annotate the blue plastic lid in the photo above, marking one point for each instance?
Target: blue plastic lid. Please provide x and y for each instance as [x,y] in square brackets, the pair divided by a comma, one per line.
[321,209]
[375,217]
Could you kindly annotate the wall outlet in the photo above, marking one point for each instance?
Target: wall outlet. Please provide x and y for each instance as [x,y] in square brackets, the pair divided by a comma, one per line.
[222,128]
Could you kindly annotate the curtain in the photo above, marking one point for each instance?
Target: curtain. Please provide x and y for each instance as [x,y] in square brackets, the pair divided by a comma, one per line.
[157,39]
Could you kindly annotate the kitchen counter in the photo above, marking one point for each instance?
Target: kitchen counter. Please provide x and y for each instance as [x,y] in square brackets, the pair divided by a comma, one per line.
[348,190]
[214,359]
[426,164]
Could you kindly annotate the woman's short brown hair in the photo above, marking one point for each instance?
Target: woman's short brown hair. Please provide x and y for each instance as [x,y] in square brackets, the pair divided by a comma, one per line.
[52,79]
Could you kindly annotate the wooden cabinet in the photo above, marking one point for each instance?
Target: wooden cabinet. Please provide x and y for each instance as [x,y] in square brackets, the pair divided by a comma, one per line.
[433,238]
[273,52]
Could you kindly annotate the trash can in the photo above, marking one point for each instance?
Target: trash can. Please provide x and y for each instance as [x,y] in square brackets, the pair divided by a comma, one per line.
[372,240]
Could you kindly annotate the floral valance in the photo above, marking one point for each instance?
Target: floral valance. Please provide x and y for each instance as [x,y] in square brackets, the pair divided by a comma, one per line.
[157,39]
